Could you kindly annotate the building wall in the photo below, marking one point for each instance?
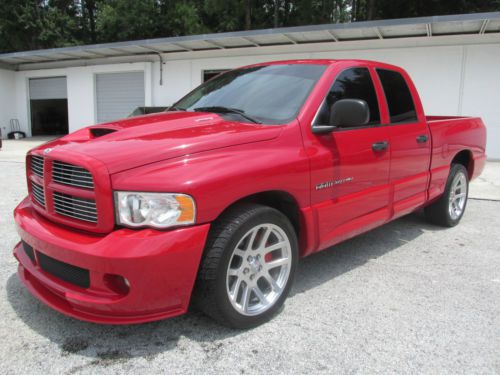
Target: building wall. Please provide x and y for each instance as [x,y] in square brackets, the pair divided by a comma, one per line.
[7,102]
[81,91]
[481,91]
[458,79]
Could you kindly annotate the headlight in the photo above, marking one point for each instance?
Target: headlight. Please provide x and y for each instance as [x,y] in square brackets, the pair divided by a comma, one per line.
[158,210]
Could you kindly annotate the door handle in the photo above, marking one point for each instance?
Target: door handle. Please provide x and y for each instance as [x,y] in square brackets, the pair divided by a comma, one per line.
[422,138]
[380,146]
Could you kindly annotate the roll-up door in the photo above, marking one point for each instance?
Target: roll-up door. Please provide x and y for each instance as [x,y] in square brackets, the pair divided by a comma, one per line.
[48,88]
[118,94]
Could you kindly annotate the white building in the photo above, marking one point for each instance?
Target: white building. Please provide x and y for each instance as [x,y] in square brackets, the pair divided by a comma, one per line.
[454,61]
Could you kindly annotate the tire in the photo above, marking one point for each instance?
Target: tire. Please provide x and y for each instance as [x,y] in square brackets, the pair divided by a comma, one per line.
[450,207]
[235,260]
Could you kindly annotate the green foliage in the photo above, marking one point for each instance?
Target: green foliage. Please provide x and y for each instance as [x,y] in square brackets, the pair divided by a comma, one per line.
[35,24]
[417,8]
[183,20]
[119,20]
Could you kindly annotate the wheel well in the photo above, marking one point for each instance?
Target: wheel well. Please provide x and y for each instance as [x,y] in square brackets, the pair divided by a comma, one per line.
[464,157]
[279,200]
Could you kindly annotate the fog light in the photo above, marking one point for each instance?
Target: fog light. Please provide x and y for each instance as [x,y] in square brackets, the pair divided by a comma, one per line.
[117,283]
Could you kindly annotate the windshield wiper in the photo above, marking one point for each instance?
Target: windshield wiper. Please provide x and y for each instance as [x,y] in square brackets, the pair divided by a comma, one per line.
[220,109]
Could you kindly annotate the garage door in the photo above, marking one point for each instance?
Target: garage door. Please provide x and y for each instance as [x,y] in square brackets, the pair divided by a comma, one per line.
[48,106]
[48,88]
[118,94]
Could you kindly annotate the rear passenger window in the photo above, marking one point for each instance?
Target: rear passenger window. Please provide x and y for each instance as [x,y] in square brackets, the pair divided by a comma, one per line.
[354,83]
[398,96]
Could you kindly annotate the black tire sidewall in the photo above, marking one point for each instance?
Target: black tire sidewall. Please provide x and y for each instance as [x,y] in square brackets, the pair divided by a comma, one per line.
[266,215]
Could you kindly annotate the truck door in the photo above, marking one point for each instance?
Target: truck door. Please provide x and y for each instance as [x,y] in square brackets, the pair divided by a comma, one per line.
[350,168]
[410,142]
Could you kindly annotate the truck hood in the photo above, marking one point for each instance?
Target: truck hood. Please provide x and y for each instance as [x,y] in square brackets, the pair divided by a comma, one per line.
[142,140]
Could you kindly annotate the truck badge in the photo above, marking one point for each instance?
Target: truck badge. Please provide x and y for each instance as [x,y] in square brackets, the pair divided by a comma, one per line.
[329,184]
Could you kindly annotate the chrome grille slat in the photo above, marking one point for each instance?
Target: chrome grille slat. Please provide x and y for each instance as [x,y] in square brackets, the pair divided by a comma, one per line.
[38,193]
[80,201]
[78,205]
[38,170]
[78,186]
[65,198]
[37,160]
[64,178]
[76,215]
[63,175]
[65,182]
[69,167]
[37,165]
[59,165]
[39,197]
[73,175]
[76,208]
[37,188]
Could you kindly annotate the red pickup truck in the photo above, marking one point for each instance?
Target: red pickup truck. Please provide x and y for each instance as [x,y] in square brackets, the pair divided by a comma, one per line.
[213,202]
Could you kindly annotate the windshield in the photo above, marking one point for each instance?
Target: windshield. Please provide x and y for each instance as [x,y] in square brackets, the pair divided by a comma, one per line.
[271,94]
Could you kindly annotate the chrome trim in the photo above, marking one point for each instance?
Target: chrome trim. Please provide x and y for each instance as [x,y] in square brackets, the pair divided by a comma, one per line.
[37,164]
[74,207]
[38,193]
[73,175]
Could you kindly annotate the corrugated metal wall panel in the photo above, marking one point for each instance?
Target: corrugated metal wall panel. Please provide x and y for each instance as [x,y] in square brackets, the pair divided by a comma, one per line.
[118,94]
[48,88]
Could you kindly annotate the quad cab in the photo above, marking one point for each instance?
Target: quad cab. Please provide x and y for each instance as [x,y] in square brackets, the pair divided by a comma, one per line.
[214,201]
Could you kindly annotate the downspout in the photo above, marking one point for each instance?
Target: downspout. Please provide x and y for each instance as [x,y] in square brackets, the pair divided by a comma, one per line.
[161,68]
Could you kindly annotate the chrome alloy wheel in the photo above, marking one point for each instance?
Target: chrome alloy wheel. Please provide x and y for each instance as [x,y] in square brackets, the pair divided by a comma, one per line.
[458,196]
[259,269]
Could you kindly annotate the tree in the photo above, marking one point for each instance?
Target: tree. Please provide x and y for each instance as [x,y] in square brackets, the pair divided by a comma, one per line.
[88,15]
[34,24]
[26,24]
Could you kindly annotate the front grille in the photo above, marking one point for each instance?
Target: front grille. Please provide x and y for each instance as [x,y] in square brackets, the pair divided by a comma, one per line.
[69,174]
[38,193]
[37,165]
[46,178]
[76,208]
[64,271]
[29,251]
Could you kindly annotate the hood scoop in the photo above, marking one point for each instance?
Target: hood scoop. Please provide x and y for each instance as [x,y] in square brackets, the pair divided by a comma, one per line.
[99,132]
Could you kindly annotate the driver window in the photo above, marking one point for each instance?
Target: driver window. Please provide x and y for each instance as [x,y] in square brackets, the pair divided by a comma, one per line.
[354,83]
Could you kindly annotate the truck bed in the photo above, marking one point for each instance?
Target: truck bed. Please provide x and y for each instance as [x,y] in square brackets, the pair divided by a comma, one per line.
[450,134]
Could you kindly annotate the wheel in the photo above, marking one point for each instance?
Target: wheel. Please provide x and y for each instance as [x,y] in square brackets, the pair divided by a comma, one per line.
[248,266]
[449,209]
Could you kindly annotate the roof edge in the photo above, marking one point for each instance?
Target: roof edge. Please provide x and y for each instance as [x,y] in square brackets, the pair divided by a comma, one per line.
[257,32]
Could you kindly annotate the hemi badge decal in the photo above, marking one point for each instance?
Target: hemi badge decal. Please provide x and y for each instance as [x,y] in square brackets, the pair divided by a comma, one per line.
[329,184]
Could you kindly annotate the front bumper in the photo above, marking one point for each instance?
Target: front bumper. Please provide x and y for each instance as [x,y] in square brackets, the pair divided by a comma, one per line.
[160,266]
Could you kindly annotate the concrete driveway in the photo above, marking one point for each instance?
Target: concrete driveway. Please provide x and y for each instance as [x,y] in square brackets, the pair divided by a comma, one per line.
[408,297]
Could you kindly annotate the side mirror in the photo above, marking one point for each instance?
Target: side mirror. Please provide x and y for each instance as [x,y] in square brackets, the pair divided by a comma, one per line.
[345,113]
[349,112]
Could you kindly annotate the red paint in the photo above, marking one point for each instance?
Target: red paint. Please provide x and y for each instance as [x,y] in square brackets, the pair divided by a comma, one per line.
[219,162]
[160,266]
